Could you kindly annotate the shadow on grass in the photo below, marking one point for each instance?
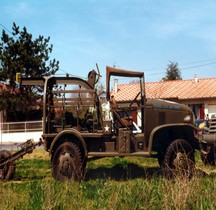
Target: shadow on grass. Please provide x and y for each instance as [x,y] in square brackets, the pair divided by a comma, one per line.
[132,171]
[118,172]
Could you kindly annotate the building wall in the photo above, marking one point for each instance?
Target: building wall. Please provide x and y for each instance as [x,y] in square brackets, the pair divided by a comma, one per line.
[18,132]
[209,106]
[210,109]
[19,137]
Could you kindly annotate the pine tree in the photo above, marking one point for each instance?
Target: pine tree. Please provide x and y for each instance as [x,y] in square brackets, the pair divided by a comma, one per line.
[172,72]
[20,53]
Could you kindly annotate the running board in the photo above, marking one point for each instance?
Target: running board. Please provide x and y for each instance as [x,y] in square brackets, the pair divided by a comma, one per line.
[112,154]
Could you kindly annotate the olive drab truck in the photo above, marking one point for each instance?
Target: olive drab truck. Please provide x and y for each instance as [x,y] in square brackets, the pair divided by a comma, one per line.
[76,128]
[207,139]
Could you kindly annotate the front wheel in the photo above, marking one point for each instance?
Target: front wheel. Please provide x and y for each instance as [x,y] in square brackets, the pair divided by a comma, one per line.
[7,171]
[179,160]
[67,162]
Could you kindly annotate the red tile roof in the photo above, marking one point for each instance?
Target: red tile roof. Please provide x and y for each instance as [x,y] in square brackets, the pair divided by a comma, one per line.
[4,87]
[176,89]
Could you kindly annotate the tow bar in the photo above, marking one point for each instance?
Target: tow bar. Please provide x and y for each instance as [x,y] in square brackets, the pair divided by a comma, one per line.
[7,160]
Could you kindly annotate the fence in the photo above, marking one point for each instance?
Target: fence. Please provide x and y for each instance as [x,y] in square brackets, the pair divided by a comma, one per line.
[15,127]
[19,132]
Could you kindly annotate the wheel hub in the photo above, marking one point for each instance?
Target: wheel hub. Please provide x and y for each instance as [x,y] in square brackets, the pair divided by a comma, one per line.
[66,164]
[180,162]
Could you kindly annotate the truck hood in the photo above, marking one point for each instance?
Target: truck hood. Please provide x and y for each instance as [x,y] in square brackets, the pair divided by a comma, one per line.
[164,104]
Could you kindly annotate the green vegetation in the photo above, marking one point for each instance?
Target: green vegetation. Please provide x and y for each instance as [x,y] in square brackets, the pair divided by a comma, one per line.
[111,183]
[21,53]
[172,72]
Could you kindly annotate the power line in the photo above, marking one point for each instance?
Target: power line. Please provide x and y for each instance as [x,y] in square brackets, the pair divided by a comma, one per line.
[190,67]
[201,61]
[161,72]
[6,29]
[145,70]
[69,74]
[194,62]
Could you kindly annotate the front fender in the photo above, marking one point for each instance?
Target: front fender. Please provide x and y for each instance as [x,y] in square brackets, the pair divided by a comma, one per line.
[161,128]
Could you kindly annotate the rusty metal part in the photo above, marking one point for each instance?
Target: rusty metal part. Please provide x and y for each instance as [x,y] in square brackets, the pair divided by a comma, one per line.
[26,147]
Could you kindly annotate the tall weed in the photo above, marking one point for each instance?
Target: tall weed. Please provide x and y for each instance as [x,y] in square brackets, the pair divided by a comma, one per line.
[127,183]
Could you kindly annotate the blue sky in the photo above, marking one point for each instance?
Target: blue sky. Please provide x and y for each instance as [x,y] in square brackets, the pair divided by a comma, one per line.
[141,35]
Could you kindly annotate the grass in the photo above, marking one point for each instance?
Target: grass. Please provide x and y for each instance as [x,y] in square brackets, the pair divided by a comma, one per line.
[110,183]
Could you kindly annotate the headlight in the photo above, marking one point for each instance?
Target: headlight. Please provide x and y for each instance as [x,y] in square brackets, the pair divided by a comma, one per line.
[187,119]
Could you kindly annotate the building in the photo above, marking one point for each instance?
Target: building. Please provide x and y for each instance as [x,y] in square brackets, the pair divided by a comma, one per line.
[102,96]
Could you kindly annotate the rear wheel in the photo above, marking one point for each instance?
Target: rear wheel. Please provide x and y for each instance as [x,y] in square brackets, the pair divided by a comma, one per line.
[210,157]
[179,160]
[7,171]
[67,162]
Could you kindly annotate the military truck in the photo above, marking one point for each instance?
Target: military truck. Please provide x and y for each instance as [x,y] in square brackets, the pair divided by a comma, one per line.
[75,127]
[207,138]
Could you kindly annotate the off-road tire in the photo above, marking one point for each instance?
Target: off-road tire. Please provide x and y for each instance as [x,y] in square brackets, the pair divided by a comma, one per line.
[160,158]
[179,160]
[67,162]
[210,158]
[7,171]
